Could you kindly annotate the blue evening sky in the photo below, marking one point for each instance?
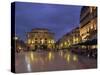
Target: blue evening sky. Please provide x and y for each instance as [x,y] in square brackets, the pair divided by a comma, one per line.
[59,19]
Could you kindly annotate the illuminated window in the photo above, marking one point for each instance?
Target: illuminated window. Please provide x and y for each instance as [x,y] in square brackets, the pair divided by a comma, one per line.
[52,41]
[49,41]
[42,41]
[29,41]
[92,26]
[95,27]
[88,29]
[77,39]
[65,43]
[94,46]
[33,41]
[91,9]
[19,47]
[61,45]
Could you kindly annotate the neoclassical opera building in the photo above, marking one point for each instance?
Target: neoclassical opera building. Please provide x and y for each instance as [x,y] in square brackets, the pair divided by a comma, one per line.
[88,23]
[40,38]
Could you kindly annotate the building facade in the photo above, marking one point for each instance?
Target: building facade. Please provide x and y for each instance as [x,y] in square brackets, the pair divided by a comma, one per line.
[88,23]
[69,39]
[40,38]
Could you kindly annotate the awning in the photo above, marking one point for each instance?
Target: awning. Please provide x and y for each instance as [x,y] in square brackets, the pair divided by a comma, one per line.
[88,42]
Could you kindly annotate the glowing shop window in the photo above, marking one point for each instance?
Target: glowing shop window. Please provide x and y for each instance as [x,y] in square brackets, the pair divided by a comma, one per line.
[33,41]
[29,41]
[42,41]
[49,41]
[52,41]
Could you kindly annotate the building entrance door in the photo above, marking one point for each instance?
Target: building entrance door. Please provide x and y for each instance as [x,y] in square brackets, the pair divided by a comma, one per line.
[43,47]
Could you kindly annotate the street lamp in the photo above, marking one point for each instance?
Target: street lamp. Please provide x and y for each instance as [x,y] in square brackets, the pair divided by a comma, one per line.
[16,38]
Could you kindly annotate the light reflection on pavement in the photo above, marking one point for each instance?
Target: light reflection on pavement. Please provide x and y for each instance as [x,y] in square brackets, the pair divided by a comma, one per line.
[51,61]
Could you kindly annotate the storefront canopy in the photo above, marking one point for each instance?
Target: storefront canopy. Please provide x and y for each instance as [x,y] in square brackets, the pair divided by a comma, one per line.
[88,42]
